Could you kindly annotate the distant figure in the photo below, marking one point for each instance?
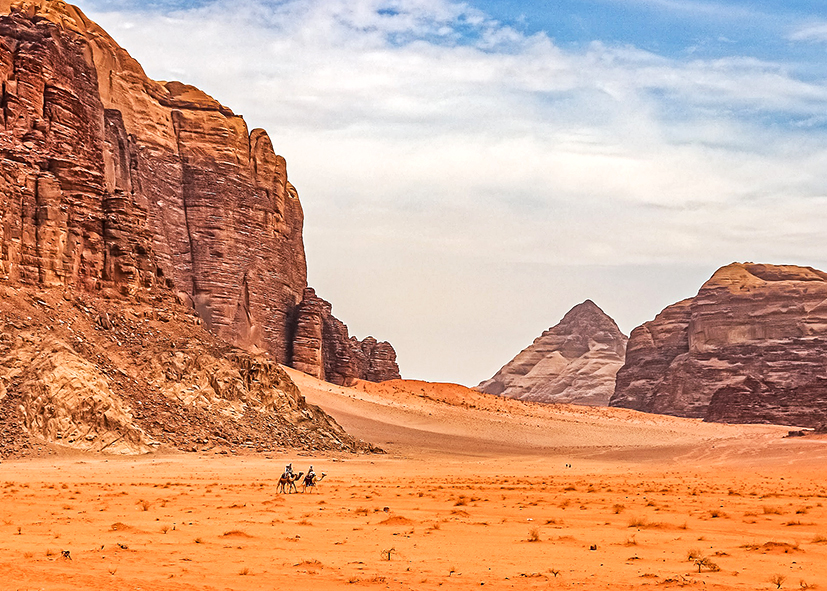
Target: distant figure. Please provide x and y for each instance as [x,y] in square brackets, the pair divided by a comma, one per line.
[310,480]
[287,482]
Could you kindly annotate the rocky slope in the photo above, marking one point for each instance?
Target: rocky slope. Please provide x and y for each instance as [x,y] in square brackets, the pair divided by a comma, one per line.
[749,348]
[110,181]
[573,362]
[85,372]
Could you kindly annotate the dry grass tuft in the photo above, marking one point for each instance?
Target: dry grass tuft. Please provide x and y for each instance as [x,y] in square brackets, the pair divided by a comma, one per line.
[235,533]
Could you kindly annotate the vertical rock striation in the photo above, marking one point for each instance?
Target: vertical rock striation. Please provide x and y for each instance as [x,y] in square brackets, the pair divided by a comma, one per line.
[749,348]
[321,347]
[112,181]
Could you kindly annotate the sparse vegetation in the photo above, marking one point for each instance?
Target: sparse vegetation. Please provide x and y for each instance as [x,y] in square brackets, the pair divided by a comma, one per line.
[704,562]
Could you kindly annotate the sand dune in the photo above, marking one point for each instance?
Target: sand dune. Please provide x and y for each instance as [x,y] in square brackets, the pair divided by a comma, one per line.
[412,418]
[474,491]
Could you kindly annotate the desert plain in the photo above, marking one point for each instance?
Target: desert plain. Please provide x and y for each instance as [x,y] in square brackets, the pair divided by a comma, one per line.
[473,491]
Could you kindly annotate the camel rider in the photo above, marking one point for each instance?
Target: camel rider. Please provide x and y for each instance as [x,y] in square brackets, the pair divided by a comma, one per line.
[310,478]
[288,471]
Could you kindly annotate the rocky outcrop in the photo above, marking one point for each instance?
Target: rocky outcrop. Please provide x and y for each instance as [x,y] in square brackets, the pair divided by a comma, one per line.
[322,348]
[749,348]
[110,181]
[86,372]
[573,362]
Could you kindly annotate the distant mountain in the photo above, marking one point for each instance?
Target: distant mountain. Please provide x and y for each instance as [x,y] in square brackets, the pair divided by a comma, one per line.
[574,362]
[749,348]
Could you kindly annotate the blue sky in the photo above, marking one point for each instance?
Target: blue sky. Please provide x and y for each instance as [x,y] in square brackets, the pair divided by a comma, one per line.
[471,171]
[670,27]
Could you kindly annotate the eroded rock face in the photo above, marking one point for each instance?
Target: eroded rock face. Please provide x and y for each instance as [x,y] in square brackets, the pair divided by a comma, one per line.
[89,373]
[322,348]
[573,362]
[112,181]
[750,348]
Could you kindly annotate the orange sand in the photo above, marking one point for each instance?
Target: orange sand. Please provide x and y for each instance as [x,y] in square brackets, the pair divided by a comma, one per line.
[467,483]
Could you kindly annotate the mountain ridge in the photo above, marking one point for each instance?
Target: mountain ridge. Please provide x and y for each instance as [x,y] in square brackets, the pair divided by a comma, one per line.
[748,348]
[573,362]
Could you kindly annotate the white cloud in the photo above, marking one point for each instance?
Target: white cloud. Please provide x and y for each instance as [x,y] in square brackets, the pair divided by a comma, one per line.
[723,10]
[811,32]
[424,135]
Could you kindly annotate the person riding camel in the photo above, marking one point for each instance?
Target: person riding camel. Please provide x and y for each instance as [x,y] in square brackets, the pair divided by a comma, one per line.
[310,478]
[288,471]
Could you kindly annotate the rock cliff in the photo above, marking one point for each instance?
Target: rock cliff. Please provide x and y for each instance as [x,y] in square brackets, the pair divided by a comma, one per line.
[573,362]
[321,348]
[749,348]
[112,182]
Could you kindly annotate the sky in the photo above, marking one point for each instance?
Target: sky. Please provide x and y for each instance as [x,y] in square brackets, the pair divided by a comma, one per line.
[470,171]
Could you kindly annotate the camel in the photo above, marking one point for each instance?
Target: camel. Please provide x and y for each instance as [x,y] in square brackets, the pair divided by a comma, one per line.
[287,482]
[311,480]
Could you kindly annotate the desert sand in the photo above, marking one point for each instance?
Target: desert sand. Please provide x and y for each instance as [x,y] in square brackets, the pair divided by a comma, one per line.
[473,491]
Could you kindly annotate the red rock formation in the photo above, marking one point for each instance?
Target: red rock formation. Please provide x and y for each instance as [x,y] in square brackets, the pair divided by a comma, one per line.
[321,347]
[573,362]
[110,180]
[750,347]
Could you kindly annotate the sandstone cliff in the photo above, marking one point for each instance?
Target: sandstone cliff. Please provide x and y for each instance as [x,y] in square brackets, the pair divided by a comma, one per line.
[321,348]
[749,348]
[573,362]
[110,181]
